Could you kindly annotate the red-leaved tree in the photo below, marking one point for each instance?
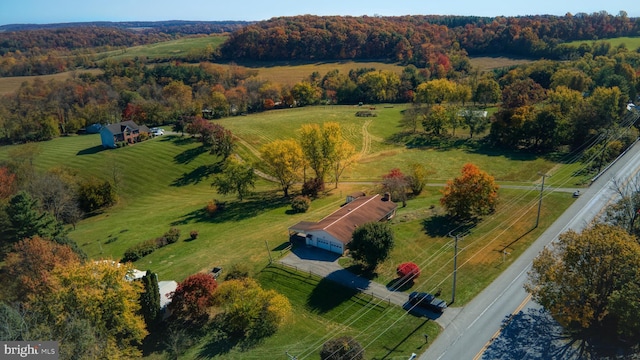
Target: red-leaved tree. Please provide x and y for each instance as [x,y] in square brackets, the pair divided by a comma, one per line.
[408,271]
[193,297]
[7,183]
[395,182]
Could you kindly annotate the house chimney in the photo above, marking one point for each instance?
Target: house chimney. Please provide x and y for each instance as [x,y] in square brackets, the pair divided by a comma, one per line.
[386,197]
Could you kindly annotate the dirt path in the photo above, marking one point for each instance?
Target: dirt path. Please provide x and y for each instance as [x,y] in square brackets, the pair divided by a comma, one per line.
[366,139]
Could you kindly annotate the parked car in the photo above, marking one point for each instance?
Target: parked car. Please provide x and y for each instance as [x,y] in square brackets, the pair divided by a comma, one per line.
[427,301]
[157,131]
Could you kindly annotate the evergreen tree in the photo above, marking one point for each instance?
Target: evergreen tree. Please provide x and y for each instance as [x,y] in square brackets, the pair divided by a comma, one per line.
[150,299]
[27,220]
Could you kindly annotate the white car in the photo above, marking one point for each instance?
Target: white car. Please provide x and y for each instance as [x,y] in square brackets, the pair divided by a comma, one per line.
[157,131]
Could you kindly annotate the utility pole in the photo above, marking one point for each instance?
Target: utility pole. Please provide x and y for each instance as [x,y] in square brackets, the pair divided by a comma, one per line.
[268,251]
[456,237]
[540,201]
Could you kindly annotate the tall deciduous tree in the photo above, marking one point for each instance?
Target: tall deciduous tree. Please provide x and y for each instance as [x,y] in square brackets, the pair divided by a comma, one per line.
[236,177]
[94,194]
[285,159]
[305,93]
[589,281]
[98,298]
[372,243]
[325,149]
[435,91]
[487,91]
[417,178]
[193,297]
[342,348]
[521,93]
[343,157]
[435,121]
[474,193]
[250,312]
[29,264]
[475,121]
[221,141]
[396,183]
[312,147]
[411,118]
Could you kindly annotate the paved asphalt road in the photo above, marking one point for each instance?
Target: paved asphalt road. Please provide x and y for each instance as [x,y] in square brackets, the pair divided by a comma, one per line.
[473,332]
[478,324]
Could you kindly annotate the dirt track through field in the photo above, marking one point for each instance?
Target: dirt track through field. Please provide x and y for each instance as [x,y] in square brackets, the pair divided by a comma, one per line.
[366,139]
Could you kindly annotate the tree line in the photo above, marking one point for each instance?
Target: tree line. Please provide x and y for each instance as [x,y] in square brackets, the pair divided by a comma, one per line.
[424,41]
[427,41]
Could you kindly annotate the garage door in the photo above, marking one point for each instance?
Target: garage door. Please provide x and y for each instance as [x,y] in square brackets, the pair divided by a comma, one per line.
[323,244]
[336,248]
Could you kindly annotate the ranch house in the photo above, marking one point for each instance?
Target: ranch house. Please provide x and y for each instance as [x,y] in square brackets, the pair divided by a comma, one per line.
[333,233]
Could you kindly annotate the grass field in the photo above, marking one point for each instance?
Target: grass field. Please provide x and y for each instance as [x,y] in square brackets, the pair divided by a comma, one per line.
[485,63]
[324,310]
[632,43]
[166,182]
[165,50]
[12,83]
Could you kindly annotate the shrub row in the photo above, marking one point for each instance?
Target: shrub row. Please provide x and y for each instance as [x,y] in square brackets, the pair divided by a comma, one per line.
[146,247]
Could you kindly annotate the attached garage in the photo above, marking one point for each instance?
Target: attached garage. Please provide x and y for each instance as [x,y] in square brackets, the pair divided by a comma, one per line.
[323,244]
[333,232]
[336,248]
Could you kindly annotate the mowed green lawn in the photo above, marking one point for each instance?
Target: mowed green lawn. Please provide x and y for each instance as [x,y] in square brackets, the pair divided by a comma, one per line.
[378,152]
[322,311]
[632,43]
[165,182]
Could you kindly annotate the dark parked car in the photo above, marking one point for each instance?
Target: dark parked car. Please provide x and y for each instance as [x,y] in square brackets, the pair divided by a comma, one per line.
[427,301]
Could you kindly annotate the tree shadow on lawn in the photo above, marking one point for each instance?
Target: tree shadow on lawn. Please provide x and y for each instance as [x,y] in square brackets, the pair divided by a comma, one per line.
[424,140]
[180,139]
[329,294]
[197,175]
[92,150]
[236,211]
[443,225]
[189,155]
[484,148]
[221,343]
[394,352]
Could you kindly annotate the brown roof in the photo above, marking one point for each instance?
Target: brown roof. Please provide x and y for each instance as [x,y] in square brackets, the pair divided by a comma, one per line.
[341,223]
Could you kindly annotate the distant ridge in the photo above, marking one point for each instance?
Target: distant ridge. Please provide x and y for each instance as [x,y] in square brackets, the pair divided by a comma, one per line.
[168,26]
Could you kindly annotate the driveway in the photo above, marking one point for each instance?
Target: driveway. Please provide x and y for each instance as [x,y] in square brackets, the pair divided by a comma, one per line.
[325,264]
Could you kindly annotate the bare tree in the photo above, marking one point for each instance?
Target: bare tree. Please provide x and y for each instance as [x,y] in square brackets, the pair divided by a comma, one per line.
[626,210]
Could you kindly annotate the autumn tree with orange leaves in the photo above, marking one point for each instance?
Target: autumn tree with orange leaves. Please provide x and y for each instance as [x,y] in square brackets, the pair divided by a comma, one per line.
[472,194]
[29,265]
